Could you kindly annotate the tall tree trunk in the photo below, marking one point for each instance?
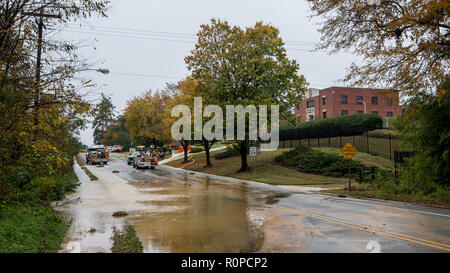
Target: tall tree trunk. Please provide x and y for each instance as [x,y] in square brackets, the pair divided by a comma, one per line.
[207,145]
[243,150]
[208,159]
[185,145]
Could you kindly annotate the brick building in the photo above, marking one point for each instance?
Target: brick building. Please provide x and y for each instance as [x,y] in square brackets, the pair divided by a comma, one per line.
[342,101]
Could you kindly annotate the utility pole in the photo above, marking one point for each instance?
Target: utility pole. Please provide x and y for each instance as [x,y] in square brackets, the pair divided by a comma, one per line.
[38,67]
[37,95]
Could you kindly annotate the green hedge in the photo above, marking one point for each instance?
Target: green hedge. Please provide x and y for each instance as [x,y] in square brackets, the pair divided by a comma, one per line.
[196,150]
[307,160]
[332,127]
[229,152]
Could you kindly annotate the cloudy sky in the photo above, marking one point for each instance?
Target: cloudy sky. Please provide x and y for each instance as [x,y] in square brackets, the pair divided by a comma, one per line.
[143,42]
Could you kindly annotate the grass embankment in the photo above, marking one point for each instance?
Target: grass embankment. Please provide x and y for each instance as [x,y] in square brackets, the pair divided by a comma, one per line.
[126,241]
[83,167]
[27,222]
[266,170]
[30,229]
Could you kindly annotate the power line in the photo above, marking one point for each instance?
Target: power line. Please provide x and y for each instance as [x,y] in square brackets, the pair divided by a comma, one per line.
[179,78]
[140,30]
[146,75]
[158,39]
[127,36]
[161,33]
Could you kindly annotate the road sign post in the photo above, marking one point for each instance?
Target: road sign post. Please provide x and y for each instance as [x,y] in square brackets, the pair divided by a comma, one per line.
[349,151]
[253,153]
[349,175]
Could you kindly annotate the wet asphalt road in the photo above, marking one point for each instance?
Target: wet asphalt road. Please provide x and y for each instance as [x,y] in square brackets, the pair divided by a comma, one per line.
[181,211]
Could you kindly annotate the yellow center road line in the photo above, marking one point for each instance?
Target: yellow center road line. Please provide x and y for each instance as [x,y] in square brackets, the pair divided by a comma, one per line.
[399,236]
[364,228]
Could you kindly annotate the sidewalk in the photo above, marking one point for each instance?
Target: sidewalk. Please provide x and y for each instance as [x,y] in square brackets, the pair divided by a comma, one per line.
[180,155]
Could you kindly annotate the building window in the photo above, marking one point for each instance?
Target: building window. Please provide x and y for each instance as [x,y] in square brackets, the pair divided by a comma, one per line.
[389,114]
[298,106]
[374,100]
[324,114]
[389,102]
[310,104]
[324,101]
[375,112]
[343,99]
[344,112]
[359,112]
[359,100]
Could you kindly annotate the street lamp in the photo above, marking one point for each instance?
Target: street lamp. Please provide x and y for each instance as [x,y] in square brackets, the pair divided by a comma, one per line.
[101,70]
[365,106]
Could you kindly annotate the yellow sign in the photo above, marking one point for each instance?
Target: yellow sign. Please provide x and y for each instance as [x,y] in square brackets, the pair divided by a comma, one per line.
[349,150]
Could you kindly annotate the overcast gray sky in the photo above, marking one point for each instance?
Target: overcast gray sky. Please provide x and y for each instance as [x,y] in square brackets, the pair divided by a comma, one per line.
[138,38]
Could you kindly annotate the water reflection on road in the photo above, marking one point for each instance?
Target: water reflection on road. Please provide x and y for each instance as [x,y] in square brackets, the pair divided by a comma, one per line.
[195,214]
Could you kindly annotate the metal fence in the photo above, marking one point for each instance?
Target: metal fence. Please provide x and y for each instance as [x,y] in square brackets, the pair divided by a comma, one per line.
[381,146]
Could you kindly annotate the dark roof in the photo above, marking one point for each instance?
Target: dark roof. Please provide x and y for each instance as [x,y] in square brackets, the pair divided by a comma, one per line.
[354,88]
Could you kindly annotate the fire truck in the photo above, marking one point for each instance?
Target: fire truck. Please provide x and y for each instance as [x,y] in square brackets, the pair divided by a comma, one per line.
[97,154]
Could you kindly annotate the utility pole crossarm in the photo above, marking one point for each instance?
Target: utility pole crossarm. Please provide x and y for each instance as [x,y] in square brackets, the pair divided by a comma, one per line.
[46,15]
[41,15]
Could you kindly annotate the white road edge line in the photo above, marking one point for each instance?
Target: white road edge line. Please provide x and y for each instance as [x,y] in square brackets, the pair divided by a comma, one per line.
[425,212]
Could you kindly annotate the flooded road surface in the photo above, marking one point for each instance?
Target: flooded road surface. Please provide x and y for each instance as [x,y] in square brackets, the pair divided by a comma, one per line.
[179,211]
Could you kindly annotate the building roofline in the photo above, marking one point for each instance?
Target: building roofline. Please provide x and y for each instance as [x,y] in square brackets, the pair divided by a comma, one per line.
[366,88]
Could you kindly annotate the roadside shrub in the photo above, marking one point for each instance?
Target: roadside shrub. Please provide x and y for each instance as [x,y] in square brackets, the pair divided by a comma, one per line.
[426,123]
[307,160]
[196,150]
[417,175]
[64,183]
[30,229]
[229,152]
[24,188]
[332,127]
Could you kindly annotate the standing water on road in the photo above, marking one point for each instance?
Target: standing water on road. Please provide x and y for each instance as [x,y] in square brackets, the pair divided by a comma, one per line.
[173,212]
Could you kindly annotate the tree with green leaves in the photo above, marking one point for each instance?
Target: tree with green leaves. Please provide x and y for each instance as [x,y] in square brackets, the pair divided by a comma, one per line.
[42,108]
[117,134]
[103,113]
[236,66]
[145,118]
[425,124]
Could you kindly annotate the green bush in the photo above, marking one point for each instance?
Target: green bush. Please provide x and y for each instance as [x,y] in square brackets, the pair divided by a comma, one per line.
[332,127]
[307,160]
[30,229]
[426,123]
[24,188]
[196,150]
[229,152]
